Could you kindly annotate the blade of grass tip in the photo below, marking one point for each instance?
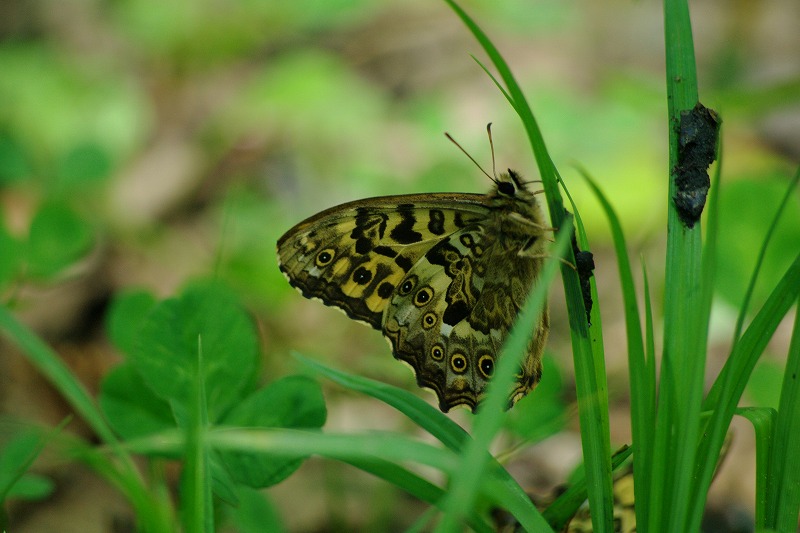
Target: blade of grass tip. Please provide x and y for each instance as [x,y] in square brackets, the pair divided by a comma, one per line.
[763,421]
[642,382]
[730,384]
[592,404]
[683,362]
[783,501]
[496,82]
[520,104]
[466,479]
[196,505]
[762,253]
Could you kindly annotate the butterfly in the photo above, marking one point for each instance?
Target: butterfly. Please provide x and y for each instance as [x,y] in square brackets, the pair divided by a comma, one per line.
[441,275]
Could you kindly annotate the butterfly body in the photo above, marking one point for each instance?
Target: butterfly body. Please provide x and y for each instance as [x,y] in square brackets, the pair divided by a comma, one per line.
[443,276]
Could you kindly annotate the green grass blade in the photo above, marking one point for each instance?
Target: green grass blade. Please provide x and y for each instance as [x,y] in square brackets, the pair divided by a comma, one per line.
[413,484]
[57,373]
[421,413]
[783,500]
[642,379]
[762,253]
[441,427]
[566,505]
[596,338]
[196,502]
[123,471]
[300,443]
[763,421]
[683,363]
[729,385]
[591,391]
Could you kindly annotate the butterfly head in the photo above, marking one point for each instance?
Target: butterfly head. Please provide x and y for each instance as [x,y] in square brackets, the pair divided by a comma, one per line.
[511,188]
[510,184]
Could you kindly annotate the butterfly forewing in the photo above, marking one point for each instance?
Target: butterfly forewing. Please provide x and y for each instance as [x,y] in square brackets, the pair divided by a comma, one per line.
[354,256]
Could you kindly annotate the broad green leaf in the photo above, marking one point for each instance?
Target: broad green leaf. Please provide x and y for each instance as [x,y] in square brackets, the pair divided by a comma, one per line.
[124,320]
[291,402]
[166,352]
[57,238]
[130,406]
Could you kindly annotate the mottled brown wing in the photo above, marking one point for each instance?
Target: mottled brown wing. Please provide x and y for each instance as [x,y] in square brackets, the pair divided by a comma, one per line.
[354,255]
[453,310]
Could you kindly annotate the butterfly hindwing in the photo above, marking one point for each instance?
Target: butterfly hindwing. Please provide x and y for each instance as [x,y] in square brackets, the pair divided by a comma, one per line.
[452,313]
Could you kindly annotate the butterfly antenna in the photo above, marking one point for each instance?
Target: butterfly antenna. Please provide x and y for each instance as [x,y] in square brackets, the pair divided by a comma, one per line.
[472,158]
[491,145]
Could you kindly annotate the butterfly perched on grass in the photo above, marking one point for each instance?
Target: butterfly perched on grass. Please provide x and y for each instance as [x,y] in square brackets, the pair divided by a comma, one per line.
[442,275]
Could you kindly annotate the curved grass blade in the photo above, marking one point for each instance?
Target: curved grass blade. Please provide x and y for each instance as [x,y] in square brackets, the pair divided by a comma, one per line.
[503,491]
[122,471]
[783,489]
[642,372]
[729,385]
[763,421]
[592,402]
[762,253]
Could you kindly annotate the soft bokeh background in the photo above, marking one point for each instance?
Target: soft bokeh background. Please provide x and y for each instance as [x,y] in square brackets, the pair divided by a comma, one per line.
[146,143]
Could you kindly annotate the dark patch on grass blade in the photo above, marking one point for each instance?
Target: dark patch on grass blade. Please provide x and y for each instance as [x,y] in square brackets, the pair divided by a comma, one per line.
[697,149]
[584,264]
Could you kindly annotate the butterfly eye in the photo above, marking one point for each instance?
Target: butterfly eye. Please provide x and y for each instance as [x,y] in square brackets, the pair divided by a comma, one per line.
[506,188]
[325,257]
[429,320]
[408,286]
[423,296]
[437,352]
[459,363]
[486,365]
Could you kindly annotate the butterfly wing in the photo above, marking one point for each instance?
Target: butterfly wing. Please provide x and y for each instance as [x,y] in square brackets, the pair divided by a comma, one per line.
[354,255]
[453,310]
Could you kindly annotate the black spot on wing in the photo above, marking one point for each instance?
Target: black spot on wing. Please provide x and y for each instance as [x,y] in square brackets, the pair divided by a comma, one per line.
[403,262]
[443,254]
[455,313]
[385,289]
[362,276]
[363,245]
[370,229]
[404,232]
[385,251]
[436,222]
